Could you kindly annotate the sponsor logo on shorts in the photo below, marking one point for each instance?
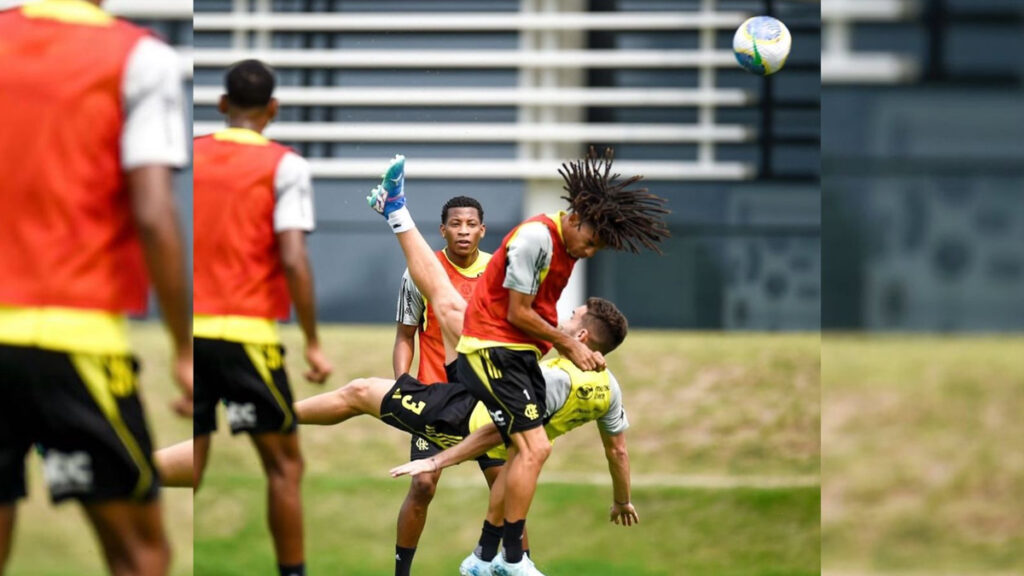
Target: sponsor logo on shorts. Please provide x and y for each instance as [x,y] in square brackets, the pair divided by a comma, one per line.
[531,411]
[497,416]
[241,415]
[68,472]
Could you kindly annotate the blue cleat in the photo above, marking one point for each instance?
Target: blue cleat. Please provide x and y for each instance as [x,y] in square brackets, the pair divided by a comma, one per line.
[389,195]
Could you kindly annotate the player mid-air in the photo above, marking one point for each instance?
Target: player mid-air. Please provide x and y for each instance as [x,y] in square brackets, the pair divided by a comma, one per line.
[512,320]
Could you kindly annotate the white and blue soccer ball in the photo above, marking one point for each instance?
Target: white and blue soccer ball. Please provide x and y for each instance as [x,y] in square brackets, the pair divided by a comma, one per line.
[761,45]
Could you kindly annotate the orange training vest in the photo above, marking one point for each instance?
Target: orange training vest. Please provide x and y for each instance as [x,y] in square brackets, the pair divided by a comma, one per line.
[237,266]
[67,237]
[486,315]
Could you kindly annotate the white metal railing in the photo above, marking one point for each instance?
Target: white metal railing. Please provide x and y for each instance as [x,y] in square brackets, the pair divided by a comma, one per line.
[493,132]
[840,64]
[176,10]
[550,98]
[636,97]
[466,22]
[151,9]
[469,169]
[569,59]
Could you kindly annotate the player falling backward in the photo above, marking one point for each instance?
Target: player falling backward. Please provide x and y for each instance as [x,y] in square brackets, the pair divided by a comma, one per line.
[446,414]
[90,126]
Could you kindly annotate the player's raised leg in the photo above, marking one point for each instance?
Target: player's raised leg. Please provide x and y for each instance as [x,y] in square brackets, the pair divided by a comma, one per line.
[426,271]
[176,465]
[360,396]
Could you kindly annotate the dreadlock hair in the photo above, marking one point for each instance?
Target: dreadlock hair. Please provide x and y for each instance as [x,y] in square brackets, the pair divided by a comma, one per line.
[606,324]
[249,84]
[624,218]
[461,202]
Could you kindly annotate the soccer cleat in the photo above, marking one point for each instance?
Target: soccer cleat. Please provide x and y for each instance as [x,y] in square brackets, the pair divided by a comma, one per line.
[389,195]
[524,567]
[474,566]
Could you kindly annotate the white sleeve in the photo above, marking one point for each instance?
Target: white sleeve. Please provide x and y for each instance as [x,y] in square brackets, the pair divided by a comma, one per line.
[410,303]
[154,124]
[528,256]
[293,187]
[614,420]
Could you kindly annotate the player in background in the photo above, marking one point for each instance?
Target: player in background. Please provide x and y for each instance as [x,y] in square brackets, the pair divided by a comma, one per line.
[253,208]
[512,321]
[462,227]
[92,124]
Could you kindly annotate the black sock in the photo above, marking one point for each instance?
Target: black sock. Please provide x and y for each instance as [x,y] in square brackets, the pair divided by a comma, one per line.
[526,552]
[512,541]
[403,560]
[294,570]
[490,537]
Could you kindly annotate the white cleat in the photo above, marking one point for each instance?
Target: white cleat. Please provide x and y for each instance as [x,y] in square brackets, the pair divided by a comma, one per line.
[474,566]
[525,567]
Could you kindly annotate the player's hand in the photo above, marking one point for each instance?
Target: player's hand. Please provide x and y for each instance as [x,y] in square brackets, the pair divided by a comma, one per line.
[319,366]
[183,377]
[413,468]
[624,514]
[583,357]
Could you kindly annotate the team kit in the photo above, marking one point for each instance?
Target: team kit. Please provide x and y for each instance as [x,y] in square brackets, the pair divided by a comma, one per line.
[86,234]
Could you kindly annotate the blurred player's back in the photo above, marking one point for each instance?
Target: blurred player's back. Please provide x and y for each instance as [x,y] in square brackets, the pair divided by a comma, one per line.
[66,235]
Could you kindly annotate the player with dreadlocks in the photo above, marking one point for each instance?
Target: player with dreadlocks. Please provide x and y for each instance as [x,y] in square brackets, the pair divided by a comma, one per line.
[512,320]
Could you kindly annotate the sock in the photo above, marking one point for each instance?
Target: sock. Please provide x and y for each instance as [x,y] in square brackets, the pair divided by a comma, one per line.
[403,560]
[526,552]
[295,570]
[401,220]
[490,536]
[512,541]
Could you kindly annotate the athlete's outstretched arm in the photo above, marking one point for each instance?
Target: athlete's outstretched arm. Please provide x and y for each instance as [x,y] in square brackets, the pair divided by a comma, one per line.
[299,272]
[156,216]
[622,510]
[480,441]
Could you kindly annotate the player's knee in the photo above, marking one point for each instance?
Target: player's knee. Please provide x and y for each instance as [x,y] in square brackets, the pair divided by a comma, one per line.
[355,391]
[287,467]
[422,488]
[536,453]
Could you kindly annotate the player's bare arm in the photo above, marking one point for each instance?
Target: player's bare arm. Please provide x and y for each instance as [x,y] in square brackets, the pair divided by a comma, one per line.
[156,216]
[405,347]
[476,444]
[622,510]
[522,315]
[295,260]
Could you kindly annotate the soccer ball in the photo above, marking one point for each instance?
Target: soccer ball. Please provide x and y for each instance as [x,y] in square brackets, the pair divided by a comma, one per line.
[761,45]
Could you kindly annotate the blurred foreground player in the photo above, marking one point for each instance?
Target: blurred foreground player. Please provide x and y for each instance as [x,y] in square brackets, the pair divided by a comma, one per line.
[92,122]
[253,209]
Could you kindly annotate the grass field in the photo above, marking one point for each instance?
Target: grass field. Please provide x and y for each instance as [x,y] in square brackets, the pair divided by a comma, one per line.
[923,468]
[715,420]
[57,541]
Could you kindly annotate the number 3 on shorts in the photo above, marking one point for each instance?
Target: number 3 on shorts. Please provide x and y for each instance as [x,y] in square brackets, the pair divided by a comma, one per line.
[414,407]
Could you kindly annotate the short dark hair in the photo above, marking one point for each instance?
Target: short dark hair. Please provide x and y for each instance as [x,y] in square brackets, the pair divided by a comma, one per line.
[461,202]
[606,325]
[249,84]
[623,218]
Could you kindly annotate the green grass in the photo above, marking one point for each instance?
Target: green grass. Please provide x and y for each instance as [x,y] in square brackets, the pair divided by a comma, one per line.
[923,467]
[699,404]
